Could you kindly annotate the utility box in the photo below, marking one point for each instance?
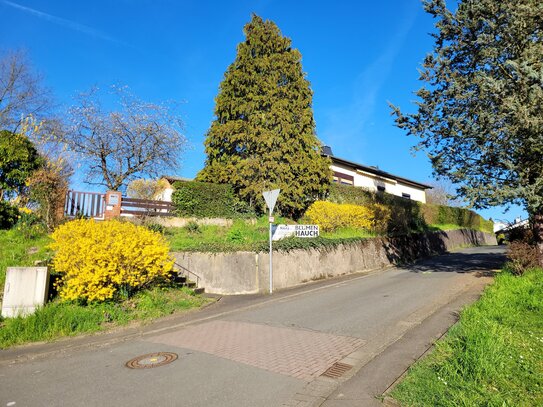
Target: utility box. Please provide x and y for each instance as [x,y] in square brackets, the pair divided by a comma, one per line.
[25,290]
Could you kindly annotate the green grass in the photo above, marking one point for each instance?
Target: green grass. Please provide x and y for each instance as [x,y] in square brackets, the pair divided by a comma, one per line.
[452,226]
[492,357]
[209,238]
[348,233]
[17,250]
[243,236]
[445,227]
[58,319]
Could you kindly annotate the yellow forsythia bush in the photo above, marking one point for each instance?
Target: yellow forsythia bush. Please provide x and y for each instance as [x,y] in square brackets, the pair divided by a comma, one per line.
[331,216]
[97,259]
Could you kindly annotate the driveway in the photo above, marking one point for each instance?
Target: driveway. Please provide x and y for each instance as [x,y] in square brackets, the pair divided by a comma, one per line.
[311,345]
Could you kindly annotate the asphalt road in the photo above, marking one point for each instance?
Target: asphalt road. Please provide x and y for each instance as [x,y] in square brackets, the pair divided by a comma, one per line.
[262,350]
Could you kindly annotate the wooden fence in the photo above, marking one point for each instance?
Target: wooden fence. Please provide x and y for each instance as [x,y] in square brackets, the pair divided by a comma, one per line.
[146,207]
[93,205]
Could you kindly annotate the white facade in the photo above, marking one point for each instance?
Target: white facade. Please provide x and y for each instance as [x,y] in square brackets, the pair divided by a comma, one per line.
[359,177]
[167,191]
[165,194]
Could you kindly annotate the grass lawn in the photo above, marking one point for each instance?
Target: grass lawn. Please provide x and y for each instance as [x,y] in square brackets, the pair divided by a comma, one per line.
[492,357]
[59,319]
[244,236]
[17,250]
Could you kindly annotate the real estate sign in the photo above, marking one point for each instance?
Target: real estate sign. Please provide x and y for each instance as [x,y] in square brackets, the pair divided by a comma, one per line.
[282,231]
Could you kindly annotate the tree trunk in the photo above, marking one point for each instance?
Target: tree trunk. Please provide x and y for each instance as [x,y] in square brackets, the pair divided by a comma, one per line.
[537,227]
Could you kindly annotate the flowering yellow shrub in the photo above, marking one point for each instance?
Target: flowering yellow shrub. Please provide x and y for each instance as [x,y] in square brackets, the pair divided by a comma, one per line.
[97,259]
[331,216]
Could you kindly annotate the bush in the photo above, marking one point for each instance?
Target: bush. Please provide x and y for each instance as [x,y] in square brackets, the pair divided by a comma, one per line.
[522,256]
[107,260]
[9,215]
[407,216]
[193,227]
[207,200]
[48,187]
[30,224]
[444,215]
[331,216]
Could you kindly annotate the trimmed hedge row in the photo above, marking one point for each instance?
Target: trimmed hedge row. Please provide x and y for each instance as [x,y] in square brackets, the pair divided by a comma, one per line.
[409,216]
[207,200]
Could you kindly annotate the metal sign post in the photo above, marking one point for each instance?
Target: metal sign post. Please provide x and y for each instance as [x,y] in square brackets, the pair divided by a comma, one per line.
[271,198]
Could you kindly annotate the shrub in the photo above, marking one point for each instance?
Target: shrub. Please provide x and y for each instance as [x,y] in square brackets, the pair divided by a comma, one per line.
[207,200]
[107,260]
[406,215]
[48,186]
[522,256]
[331,216]
[30,224]
[193,227]
[9,215]
[155,227]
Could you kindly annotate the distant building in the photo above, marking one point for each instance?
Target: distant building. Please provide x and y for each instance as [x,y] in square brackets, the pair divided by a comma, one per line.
[358,175]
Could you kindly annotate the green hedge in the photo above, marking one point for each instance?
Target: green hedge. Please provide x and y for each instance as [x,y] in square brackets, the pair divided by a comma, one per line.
[9,215]
[207,200]
[407,215]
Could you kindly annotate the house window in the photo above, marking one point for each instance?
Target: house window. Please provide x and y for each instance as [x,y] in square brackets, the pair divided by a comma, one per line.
[341,178]
[381,188]
[406,196]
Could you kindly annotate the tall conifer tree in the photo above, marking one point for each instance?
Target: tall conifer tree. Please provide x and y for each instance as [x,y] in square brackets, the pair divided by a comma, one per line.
[263,136]
[480,111]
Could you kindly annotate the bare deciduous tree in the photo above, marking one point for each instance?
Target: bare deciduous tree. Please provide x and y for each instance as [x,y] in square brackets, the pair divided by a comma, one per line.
[443,193]
[21,92]
[145,188]
[136,139]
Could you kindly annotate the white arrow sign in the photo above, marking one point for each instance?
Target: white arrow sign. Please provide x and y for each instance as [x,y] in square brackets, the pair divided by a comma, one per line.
[271,198]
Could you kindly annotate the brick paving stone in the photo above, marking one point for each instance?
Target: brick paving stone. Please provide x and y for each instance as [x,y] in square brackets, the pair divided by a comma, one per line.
[293,352]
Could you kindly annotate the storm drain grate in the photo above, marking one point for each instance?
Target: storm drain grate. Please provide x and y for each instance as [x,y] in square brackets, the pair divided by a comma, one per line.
[151,360]
[338,369]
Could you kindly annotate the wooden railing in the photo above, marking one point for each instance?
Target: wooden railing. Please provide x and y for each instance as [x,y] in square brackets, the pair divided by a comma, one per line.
[146,207]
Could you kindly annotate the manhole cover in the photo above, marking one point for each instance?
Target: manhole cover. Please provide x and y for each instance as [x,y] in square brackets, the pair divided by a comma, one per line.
[337,370]
[151,360]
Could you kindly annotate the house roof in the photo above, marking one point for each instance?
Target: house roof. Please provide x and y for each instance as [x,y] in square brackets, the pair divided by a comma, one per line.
[174,178]
[372,170]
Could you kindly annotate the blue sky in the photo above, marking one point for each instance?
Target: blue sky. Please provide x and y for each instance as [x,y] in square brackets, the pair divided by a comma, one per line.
[357,55]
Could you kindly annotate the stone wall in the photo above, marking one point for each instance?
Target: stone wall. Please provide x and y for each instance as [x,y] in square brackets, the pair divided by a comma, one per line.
[248,273]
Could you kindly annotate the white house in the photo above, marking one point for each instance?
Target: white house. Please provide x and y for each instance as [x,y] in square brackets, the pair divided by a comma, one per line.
[359,175]
[167,191]
[349,173]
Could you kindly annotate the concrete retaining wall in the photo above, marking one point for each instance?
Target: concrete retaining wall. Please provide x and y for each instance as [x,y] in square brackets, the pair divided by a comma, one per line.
[248,273]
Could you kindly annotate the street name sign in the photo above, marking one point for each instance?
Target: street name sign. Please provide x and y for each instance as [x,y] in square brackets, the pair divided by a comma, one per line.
[304,231]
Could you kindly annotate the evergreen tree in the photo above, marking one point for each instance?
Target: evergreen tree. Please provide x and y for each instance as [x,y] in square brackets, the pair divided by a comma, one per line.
[480,115]
[263,136]
[18,160]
